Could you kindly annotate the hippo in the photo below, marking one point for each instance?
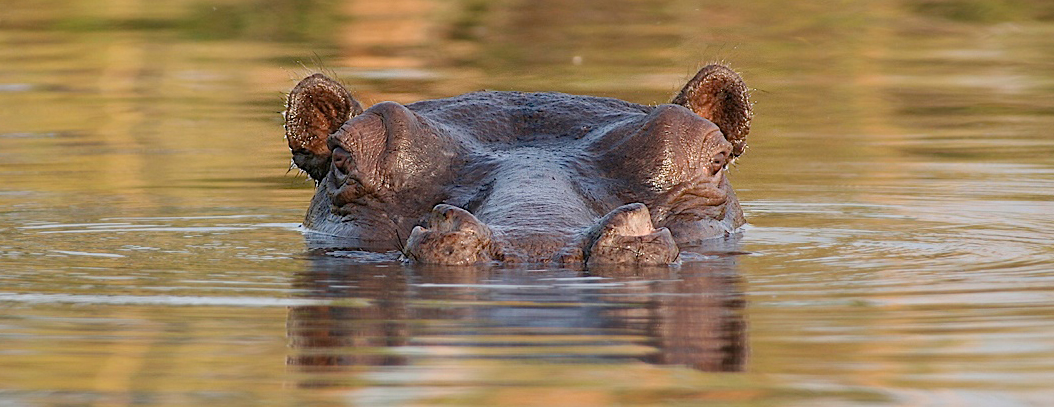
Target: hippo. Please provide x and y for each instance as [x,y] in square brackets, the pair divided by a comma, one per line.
[518,177]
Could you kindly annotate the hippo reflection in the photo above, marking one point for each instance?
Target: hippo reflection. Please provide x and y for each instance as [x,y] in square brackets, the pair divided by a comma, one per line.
[523,177]
[385,315]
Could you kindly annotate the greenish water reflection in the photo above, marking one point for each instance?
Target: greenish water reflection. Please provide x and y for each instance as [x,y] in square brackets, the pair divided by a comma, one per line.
[898,188]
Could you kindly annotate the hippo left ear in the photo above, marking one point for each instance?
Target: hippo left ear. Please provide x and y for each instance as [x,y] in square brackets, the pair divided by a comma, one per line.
[315,108]
[718,94]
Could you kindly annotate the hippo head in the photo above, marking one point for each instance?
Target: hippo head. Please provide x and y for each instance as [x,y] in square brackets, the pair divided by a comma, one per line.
[523,177]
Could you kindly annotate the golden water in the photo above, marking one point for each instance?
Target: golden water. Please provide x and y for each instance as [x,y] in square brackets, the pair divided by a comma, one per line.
[898,186]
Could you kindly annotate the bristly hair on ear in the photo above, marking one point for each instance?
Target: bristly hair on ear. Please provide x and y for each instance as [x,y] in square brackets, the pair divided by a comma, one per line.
[315,108]
[718,94]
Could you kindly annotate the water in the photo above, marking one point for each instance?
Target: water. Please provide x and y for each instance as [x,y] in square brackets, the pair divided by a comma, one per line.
[898,187]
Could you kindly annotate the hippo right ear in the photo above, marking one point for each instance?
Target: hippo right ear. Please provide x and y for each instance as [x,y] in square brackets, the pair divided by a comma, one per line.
[718,94]
[316,107]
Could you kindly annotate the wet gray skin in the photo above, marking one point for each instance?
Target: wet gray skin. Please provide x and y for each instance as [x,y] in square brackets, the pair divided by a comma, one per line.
[523,177]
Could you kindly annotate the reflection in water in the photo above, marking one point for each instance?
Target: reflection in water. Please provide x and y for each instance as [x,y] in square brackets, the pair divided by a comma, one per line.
[338,335]
[899,192]
[692,316]
[384,315]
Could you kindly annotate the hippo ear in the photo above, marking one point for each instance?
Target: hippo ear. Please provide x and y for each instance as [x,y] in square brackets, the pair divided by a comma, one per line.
[719,95]
[316,107]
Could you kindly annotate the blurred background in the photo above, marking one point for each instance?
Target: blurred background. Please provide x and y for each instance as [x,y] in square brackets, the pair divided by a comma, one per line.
[898,186]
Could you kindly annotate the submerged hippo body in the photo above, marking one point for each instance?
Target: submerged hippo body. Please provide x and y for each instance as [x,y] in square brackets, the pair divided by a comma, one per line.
[523,177]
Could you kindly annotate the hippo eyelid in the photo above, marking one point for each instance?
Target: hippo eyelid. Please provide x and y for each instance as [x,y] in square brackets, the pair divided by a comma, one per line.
[718,161]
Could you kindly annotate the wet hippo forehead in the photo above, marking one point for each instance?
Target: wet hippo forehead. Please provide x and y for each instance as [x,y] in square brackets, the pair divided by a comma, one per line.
[518,118]
[512,176]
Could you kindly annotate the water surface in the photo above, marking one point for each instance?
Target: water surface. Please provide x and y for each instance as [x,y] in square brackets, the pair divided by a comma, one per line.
[898,187]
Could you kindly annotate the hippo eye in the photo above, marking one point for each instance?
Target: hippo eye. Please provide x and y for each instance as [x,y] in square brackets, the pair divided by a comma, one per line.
[718,162]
